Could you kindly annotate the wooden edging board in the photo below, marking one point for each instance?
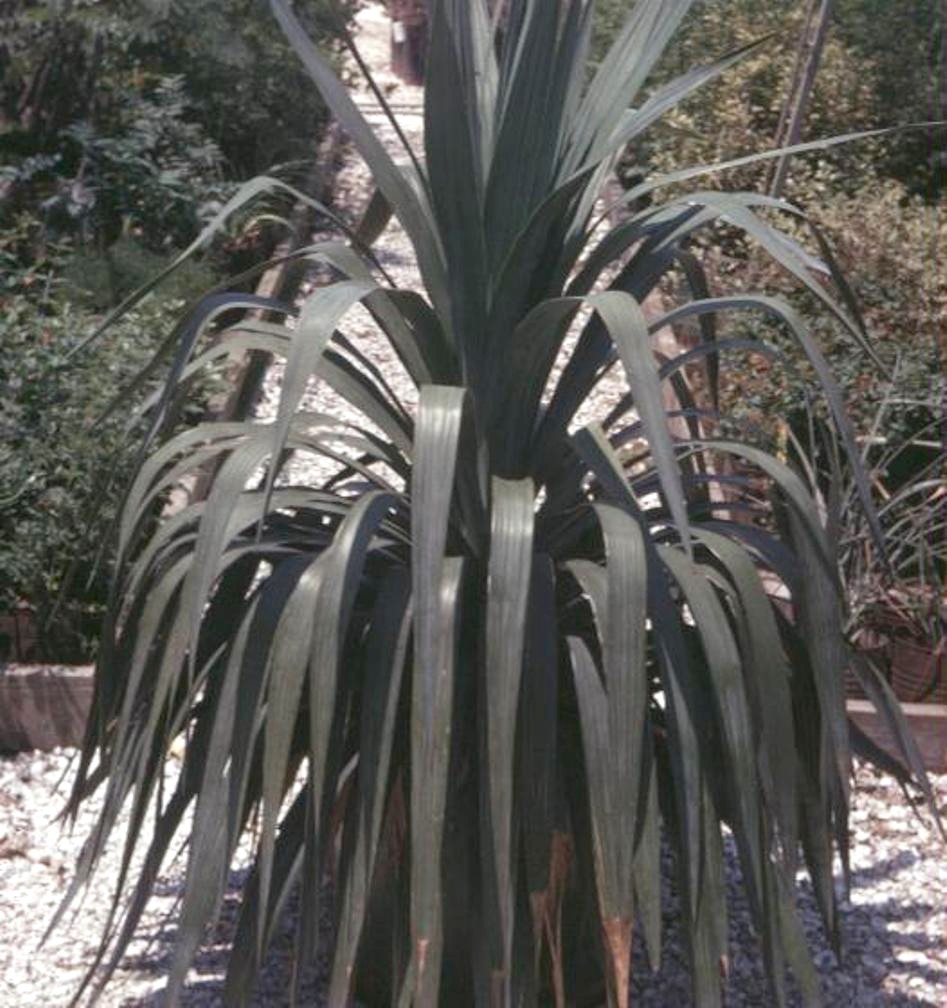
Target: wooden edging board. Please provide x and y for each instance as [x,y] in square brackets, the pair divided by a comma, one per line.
[928,722]
[43,706]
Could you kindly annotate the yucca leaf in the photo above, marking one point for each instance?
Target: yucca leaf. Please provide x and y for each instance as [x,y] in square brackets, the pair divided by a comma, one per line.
[614,722]
[515,189]
[815,825]
[317,322]
[374,220]
[724,667]
[819,612]
[626,673]
[708,933]
[287,675]
[647,864]
[432,699]
[628,328]
[508,581]
[401,196]
[621,74]
[209,847]
[527,275]
[537,746]
[608,840]
[435,590]
[451,127]
[673,660]
[385,658]
[342,574]
[766,675]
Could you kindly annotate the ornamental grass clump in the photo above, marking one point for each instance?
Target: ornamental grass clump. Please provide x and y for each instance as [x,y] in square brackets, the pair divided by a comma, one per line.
[487,667]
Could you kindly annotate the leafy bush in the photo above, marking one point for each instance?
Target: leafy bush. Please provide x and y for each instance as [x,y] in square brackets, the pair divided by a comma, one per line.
[58,468]
[880,67]
[121,199]
[112,118]
[101,279]
[154,172]
[241,76]
[65,63]
[132,118]
[484,664]
[886,242]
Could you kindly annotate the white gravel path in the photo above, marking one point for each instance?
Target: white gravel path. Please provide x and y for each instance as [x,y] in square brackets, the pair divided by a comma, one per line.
[895,922]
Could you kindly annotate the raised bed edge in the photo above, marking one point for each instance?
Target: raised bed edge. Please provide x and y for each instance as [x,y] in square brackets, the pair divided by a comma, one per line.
[43,706]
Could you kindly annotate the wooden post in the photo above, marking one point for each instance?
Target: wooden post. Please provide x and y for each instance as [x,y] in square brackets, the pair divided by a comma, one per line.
[807,66]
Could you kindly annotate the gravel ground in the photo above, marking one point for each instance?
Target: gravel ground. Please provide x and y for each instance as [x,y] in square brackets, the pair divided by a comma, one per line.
[36,859]
[895,919]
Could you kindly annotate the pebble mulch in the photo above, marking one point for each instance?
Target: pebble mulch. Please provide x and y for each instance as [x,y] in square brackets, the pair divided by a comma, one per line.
[895,921]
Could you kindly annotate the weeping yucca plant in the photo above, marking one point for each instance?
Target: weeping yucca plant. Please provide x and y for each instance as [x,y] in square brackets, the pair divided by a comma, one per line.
[480,675]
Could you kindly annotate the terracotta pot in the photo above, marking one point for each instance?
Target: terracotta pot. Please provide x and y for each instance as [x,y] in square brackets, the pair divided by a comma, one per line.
[908,646]
[919,671]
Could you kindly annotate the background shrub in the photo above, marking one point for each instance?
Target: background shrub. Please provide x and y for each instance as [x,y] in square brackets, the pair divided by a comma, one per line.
[124,125]
[61,63]
[883,64]
[879,201]
[889,246]
[58,476]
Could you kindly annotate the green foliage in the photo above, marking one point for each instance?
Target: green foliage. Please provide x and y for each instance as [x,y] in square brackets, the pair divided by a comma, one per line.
[154,173]
[883,64]
[132,118]
[887,243]
[241,78]
[64,63]
[113,116]
[479,668]
[58,467]
[99,280]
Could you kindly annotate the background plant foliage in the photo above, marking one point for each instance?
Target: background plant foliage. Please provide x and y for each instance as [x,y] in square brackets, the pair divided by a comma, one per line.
[889,250]
[879,200]
[65,62]
[57,463]
[883,64]
[124,127]
[485,666]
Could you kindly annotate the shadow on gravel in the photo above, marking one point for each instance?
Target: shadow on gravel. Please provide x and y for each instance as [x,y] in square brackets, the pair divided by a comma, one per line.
[880,945]
[211,962]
